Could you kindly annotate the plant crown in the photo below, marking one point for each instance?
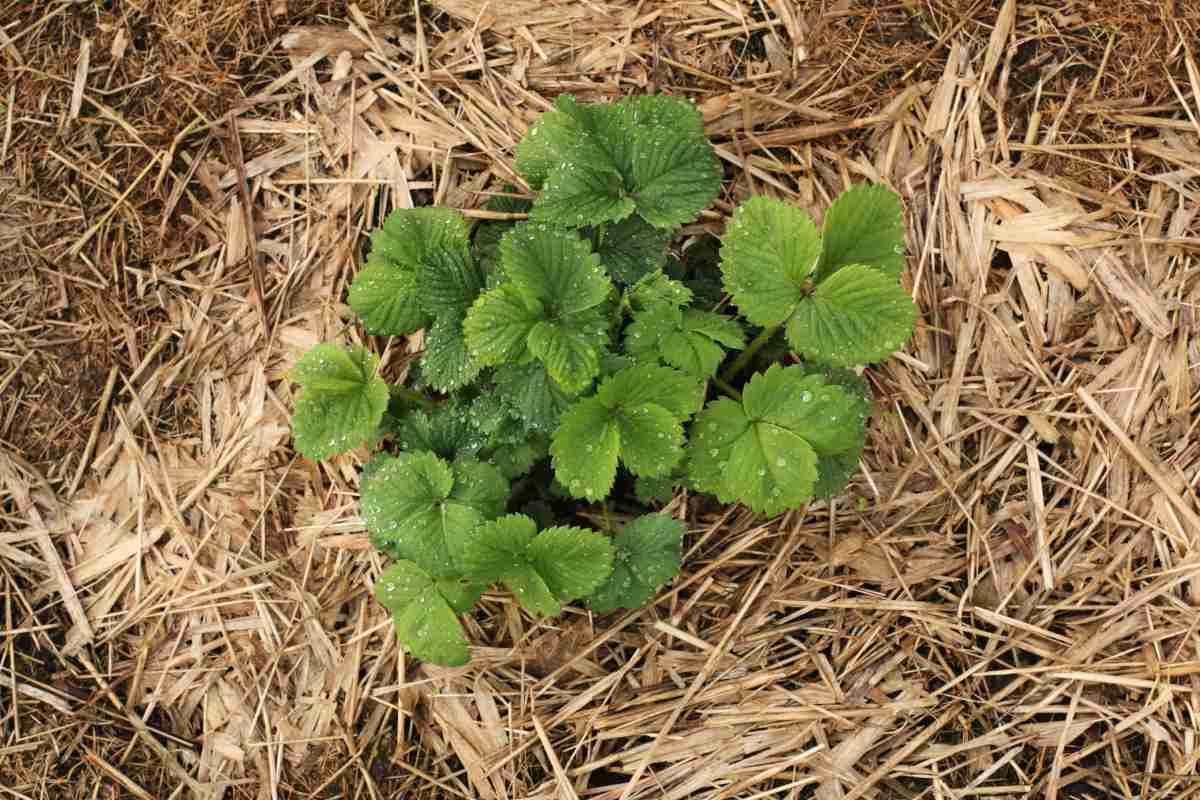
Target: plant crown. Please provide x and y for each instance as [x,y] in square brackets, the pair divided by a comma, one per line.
[570,357]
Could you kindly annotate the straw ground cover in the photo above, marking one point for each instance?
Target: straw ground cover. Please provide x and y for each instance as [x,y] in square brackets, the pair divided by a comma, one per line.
[1002,604]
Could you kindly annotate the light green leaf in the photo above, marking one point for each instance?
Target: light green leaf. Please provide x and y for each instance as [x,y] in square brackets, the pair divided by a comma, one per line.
[559,136]
[767,254]
[632,249]
[384,297]
[646,383]
[426,624]
[498,324]
[635,418]
[664,111]
[687,340]
[450,280]
[859,315]
[543,570]
[648,554]
[570,348]
[674,176]
[446,364]
[419,508]
[341,400]
[763,451]
[408,235]
[554,267]
[585,448]
[656,289]
[578,195]
[865,225]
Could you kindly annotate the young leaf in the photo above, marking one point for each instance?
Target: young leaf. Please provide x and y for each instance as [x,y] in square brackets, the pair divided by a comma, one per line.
[426,624]
[767,254]
[341,400]
[656,289]
[384,297]
[632,249]
[532,395]
[408,235]
[570,348]
[648,554]
[858,315]
[498,324]
[688,340]
[763,451]
[674,176]
[555,268]
[544,569]
[447,364]
[634,418]
[450,280]
[418,507]
[865,225]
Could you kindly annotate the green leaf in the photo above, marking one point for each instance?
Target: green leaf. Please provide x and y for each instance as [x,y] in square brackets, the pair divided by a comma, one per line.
[543,570]
[675,176]
[447,364]
[664,111]
[632,249]
[767,254]
[763,451]
[656,289]
[446,432]
[634,418]
[673,390]
[834,473]
[654,490]
[579,195]
[558,136]
[450,280]
[419,508]
[515,460]
[426,624]
[408,235]
[865,225]
[689,340]
[498,324]
[555,268]
[585,449]
[489,232]
[532,394]
[649,553]
[341,400]
[858,315]
[570,348]
[384,297]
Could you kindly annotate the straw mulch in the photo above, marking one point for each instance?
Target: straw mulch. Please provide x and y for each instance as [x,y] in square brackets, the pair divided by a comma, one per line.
[1004,603]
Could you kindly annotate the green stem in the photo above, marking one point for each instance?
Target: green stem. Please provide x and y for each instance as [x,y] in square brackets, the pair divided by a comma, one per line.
[404,393]
[751,350]
[598,236]
[725,387]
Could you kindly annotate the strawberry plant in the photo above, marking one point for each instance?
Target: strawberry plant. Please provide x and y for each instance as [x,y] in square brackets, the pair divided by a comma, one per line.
[573,368]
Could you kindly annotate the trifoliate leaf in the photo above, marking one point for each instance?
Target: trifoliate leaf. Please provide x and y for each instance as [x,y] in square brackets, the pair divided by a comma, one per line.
[865,225]
[632,249]
[763,451]
[426,624]
[570,348]
[447,364]
[532,394]
[767,254]
[654,490]
[859,315]
[555,268]
[656,289]
[341,400]
[410,234]
[634,417]
[384,297]
[420,508]
[544,570]
[689,340]
[673,390]
[578,195]
[450,280]
[648,554]
[498,324]
[674,176]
